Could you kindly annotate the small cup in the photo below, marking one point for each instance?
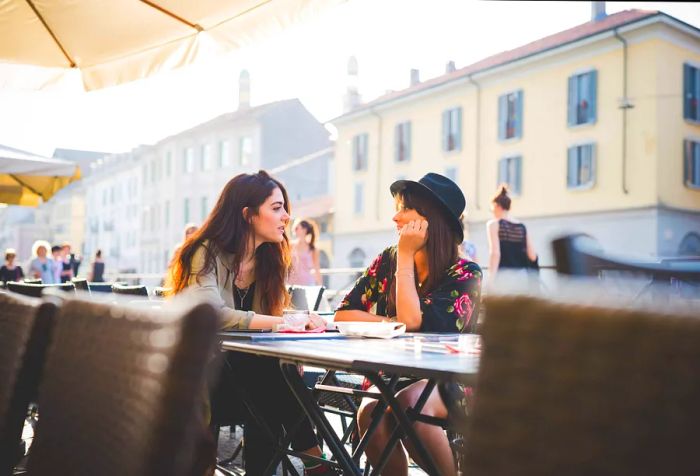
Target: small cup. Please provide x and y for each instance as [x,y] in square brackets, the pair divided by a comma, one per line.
[295,319]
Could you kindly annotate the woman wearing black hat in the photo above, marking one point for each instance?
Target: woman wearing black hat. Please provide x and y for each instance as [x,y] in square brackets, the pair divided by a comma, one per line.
[422,282]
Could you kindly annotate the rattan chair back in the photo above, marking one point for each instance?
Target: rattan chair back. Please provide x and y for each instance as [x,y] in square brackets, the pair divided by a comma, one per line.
[25,325]
[122,390]
[135,290]
[36,290]
[585,390]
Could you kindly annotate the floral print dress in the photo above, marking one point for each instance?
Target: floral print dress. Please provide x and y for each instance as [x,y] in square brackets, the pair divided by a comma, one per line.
[453,306]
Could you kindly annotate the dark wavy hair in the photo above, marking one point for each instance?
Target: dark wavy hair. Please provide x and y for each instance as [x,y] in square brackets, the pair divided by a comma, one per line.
[226,229]
[311,229]
[442,245]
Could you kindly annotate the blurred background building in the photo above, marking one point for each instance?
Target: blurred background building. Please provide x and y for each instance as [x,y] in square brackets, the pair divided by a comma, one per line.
[596,129]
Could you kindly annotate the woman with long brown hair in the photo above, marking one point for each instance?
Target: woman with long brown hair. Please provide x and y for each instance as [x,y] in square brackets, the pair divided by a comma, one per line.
[306,258]
[239,259]
[424,283]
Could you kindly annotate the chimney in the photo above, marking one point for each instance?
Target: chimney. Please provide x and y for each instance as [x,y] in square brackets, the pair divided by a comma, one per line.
[450,67]
[244,90]
[598,11]
[415,77]
[351,100]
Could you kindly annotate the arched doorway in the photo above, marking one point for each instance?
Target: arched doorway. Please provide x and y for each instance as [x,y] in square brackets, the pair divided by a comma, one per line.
[690,245]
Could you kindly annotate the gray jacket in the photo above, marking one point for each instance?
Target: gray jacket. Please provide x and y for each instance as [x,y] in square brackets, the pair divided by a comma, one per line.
[216,286]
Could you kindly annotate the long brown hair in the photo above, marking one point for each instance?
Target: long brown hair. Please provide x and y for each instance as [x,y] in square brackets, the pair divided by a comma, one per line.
[227,230]
[311,229]
[442,245]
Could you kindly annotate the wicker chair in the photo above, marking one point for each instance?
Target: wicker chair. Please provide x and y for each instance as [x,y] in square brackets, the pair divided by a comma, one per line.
[136,290]
[36,290]
[584,390]
[80,284]
[123,390]
[25,325]
[306,297]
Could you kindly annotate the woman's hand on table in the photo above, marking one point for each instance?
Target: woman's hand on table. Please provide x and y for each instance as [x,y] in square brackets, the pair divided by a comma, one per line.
[315,322]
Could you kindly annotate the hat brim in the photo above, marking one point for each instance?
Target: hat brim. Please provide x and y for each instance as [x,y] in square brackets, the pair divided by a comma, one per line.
[456,222]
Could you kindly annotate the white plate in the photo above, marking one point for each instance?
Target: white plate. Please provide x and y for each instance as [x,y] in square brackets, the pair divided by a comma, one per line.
[381,330]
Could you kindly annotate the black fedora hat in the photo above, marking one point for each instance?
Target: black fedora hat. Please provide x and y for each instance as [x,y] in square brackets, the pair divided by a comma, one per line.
[444,190]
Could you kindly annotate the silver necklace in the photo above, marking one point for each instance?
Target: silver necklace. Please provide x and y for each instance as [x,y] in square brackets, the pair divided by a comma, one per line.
[241,296]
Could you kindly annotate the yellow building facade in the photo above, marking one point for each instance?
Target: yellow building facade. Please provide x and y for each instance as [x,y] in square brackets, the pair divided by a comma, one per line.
[587,126]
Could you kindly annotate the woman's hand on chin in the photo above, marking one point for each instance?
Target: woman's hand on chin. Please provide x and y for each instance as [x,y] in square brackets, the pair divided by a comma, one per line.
[413,236]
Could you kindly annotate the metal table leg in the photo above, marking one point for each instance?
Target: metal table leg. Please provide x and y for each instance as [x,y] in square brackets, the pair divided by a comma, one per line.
[303,394]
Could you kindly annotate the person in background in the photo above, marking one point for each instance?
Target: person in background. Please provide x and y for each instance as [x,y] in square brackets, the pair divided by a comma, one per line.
[238,260]
[68,262]
[424,283]
[305,269]
[510,246]
[41,266]
[190,229]
[57,263]
[96,274]
[9,271]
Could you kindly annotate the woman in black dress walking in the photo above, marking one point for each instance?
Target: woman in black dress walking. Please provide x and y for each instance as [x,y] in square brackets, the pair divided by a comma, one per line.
[510,247]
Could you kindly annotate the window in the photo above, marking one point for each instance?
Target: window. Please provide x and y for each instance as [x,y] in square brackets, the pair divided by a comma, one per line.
[186,210]
[168,163]
[188,165]
[224,153]
[691,92]
[510,172]
[205,208]
[145,174]
[245,150]
[582,98]
[691,164]
[359,152]
[510,116]
[452,129]
[451,173]
[153,171]
[357,258]
[581,166]
[206,157]
[359,198]
[166,213]
[402,142]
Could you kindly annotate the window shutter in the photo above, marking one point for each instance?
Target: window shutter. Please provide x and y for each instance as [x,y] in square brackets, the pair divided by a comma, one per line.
[573,99]
[687,159]
[458,134]
[502,116]
[397,142]
[354,153]
[593,96]
[364,151]
[519,115]
[502,172]
[407,142]
[518,175]
[571,167]
[445,129]
[687,90]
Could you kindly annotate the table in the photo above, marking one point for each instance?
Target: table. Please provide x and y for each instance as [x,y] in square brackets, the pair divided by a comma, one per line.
[368,357]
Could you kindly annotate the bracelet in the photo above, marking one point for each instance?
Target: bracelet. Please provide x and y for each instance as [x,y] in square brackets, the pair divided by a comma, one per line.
[408,275]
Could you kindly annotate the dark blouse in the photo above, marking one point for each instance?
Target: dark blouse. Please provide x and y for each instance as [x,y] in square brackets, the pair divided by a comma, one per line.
[243,298]
[14,274]
[453,306]
[513,245]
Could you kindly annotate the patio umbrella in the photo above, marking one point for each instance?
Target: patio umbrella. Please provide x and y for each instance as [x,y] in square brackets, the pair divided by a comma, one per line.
[26,177]
[113,42]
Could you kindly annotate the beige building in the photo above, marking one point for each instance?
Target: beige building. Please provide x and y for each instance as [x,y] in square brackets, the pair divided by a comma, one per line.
[596,129]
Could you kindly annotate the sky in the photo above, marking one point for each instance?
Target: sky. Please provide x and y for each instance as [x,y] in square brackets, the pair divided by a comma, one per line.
[307,61]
